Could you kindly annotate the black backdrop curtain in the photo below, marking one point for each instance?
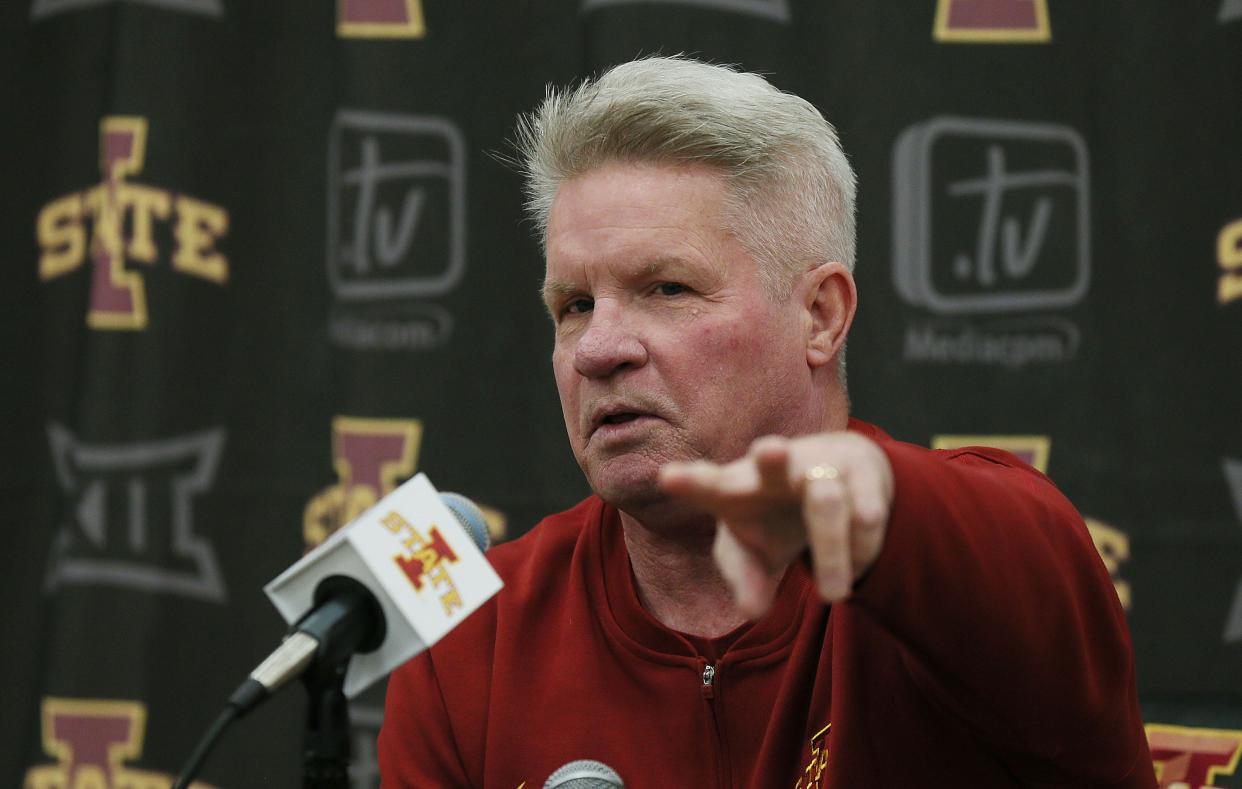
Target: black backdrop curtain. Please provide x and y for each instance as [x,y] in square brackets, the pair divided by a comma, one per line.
[262,266]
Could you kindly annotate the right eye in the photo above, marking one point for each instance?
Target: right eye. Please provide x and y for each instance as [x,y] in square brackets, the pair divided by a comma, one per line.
[578,306]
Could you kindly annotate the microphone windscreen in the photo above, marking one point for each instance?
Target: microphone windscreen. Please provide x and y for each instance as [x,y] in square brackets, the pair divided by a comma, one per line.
[470,517]
[584,774]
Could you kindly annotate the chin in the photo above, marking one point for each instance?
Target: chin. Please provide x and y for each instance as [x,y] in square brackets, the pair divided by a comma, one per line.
[627,493]
[623,480]
[640,497]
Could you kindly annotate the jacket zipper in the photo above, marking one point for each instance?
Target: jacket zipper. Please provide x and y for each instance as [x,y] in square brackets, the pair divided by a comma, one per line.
[709,685]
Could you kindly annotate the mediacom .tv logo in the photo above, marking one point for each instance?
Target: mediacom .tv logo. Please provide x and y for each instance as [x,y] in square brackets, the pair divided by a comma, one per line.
[396,228]
[991,236]
[1019,191]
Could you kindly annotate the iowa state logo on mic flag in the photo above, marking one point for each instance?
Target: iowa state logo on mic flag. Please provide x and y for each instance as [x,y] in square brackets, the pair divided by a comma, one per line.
[425,560]
[416,558]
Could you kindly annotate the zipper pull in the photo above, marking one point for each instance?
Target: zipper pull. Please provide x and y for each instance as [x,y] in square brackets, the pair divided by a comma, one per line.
[709,676]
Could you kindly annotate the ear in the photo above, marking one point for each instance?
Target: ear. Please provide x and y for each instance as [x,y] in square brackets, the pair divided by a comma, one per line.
[830,298]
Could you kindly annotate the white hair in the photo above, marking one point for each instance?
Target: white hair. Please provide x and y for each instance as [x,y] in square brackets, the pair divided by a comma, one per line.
[790,187]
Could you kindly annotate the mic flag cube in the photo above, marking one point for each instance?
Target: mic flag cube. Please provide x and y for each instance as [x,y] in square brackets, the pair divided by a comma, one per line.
[413,554]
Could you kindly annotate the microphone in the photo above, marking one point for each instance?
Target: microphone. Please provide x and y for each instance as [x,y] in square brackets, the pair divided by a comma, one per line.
[382,589]
[470,517]
[584,774]
[374,594]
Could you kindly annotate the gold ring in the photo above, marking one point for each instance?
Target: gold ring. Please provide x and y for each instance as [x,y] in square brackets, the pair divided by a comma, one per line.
[821,471]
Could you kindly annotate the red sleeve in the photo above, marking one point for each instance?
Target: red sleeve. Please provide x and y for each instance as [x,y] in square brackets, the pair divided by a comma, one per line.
[990,579]
[416,743]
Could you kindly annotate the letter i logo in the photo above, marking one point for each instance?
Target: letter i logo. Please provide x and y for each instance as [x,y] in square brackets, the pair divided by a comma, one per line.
[1032,450]
[992,21]
[1193,757]
[380,19]
[1229,257]
[91,741]
[118,297]
[371,456]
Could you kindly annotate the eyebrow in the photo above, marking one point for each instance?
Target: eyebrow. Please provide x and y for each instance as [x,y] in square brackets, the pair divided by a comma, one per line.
[554,287]
[554,291]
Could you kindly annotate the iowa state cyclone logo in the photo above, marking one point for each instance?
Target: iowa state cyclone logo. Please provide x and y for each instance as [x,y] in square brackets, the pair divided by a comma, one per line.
[1111,543]
[1229,257]
[1193,757]
[425,560]
[91,740]
[817,762]
[993,21]
[380,19]
[122,215]
[371,457]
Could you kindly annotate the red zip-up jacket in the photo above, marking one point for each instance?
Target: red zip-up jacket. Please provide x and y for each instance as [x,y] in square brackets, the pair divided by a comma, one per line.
[985,648]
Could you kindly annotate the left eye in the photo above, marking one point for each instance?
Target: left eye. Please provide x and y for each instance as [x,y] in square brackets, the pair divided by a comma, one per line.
[670,288]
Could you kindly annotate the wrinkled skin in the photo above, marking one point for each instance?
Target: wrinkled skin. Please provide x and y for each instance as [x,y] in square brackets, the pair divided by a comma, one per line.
[672,360]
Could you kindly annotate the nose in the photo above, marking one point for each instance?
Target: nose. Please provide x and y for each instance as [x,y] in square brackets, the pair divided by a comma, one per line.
[610,343]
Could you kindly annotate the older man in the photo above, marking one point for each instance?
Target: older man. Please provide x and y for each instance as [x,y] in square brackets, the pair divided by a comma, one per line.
[762,591]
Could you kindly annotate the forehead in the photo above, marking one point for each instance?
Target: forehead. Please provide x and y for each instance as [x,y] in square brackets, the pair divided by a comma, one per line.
[645,214]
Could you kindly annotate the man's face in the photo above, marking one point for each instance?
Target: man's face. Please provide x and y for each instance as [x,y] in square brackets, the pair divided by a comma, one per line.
[667,346]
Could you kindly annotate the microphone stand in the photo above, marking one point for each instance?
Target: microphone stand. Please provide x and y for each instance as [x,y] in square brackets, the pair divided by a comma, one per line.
[347,620]
[325,751]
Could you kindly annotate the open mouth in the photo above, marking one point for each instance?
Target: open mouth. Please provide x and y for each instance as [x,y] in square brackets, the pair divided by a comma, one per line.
[618,419]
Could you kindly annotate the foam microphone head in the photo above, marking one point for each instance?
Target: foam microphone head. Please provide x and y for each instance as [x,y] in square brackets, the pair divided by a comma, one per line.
[584,774]
[470,517]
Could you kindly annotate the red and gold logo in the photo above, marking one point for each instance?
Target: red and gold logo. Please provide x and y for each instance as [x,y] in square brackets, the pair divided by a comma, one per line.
[91,740]
[1031,450]
[1190,757]
[380,19]
[992,21]
[118,297]
[371,457]
[1229,256]
[1113,546]
[817,764]
[425,560]
[1112,543]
